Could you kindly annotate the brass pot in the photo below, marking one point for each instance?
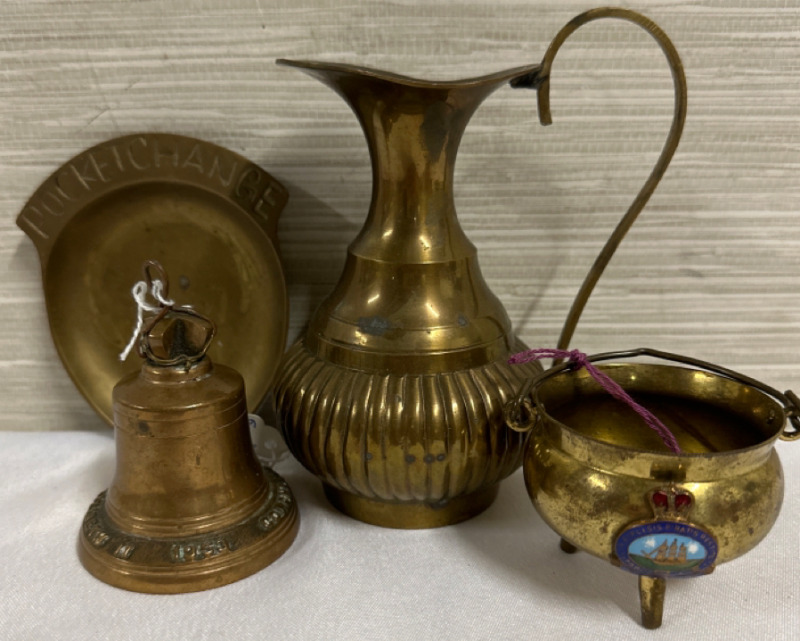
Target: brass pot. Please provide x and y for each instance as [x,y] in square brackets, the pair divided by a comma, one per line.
[607,484]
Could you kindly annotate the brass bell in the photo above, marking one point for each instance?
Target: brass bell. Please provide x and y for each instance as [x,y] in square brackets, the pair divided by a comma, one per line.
[190,507]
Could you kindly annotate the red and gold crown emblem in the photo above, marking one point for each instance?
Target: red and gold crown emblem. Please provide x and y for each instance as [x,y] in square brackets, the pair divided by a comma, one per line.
[671,503]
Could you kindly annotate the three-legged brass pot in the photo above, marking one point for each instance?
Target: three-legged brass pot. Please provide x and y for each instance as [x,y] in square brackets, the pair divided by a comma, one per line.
[607,484]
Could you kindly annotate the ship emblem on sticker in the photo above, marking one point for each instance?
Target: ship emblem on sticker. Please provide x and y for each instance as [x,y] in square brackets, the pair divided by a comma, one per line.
[668,545]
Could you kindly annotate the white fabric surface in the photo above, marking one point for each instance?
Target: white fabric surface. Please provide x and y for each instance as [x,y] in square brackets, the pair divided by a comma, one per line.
[498,576]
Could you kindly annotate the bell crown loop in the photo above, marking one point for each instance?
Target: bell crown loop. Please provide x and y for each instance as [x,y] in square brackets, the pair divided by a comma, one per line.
[179,336]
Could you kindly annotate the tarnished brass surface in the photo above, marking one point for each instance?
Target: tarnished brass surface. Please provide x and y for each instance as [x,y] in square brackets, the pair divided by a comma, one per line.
[592,465]
[394,396]
[208,214]
[606,482]
[189,508]
[593,460]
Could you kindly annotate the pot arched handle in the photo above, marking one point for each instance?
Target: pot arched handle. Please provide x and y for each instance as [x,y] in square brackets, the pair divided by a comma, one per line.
[522,416]
[540,80]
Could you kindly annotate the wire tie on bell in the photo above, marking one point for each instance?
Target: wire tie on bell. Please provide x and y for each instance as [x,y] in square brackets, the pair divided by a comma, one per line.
[184,349]
[159,290]
[580,361]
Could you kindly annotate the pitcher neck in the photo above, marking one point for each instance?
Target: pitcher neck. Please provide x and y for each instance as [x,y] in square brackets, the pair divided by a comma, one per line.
[413,129]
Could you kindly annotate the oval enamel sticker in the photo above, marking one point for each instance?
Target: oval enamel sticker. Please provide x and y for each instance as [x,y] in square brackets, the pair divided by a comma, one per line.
[666,549]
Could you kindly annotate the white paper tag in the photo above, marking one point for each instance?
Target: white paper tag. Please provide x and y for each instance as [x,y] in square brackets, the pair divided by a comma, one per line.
[267,442]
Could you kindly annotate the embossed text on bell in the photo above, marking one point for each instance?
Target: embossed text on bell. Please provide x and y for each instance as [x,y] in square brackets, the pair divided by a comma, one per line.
[190,507]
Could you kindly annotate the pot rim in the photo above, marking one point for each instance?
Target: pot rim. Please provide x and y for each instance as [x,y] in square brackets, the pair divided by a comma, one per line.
[643,461]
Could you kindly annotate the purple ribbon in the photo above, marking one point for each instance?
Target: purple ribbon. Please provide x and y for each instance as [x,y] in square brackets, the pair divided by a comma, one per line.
[608,384]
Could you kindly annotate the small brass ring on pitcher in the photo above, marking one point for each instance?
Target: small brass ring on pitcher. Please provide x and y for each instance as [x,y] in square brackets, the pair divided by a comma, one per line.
[521,416]
[792,410]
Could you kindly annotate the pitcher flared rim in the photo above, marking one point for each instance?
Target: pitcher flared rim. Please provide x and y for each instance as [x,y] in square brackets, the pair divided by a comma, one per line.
[368,72]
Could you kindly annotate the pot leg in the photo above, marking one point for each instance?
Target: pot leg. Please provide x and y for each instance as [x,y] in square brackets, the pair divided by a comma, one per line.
[651,596]
[567,547]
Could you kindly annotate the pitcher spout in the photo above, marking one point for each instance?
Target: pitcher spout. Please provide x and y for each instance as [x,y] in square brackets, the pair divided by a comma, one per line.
[438,110]
[413,129]
[384,101]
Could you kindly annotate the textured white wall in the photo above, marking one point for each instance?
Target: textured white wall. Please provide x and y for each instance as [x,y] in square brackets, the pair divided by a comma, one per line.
[709,270]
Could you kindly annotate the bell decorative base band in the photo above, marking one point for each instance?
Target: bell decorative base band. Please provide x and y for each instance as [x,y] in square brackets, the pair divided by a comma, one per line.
[190,563]
[411,515]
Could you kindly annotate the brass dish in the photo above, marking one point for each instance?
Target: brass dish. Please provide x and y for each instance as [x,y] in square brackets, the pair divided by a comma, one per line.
[207,214]
[608,485]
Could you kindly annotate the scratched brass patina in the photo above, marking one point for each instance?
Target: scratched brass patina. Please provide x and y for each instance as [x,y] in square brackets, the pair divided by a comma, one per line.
[605,482]
[189,508]
[393,396]
[208,214]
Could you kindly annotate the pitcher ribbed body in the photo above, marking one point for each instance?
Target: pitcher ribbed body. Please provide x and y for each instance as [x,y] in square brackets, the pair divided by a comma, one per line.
[394,395]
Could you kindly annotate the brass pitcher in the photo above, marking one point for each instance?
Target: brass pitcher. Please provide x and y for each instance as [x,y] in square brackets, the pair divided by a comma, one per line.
[394,395]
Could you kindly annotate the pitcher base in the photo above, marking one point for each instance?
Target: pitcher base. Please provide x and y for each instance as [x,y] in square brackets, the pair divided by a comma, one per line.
[411,515]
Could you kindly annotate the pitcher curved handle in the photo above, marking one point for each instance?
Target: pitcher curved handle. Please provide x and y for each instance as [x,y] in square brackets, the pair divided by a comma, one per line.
[540,81]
